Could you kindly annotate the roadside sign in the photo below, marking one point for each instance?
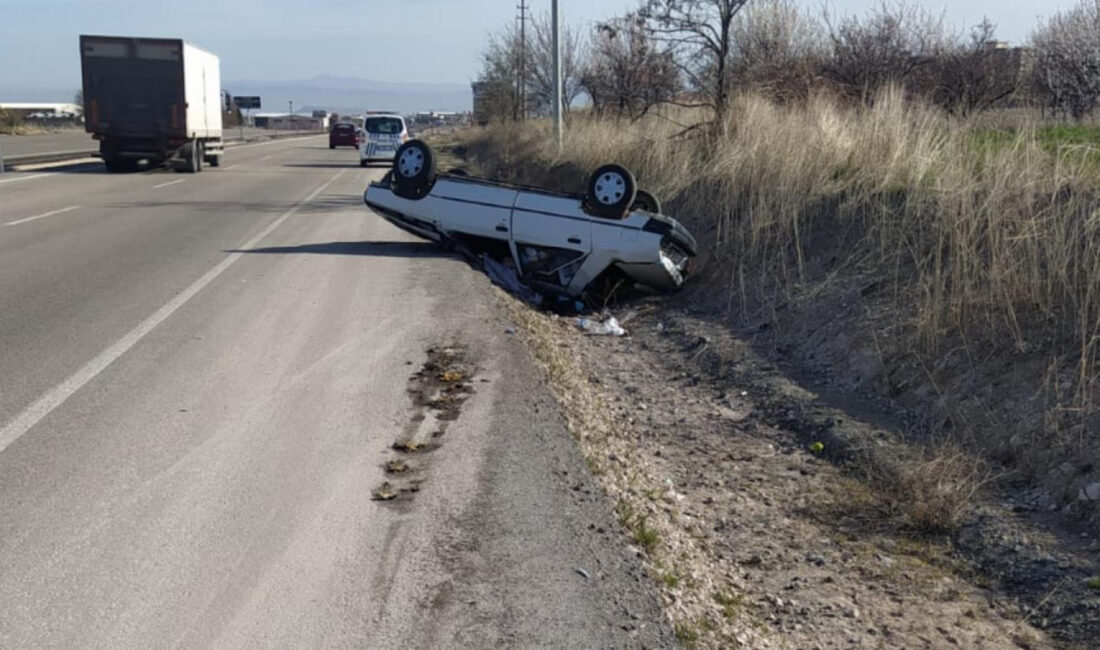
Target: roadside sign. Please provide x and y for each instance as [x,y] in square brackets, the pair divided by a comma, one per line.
[248,102]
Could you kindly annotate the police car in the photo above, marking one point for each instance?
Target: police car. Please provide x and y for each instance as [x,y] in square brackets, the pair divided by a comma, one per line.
[559,243]
[383,133]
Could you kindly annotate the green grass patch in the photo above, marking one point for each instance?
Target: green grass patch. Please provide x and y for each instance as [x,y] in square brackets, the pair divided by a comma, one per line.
[687,635]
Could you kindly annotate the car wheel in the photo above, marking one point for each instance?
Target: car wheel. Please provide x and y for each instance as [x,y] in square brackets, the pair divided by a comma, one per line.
[332,146]
[646,201]
[611,191]
[413,169]
[363,163]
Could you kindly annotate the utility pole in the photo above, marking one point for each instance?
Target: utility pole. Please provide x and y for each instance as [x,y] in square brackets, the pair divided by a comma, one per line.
[556,22]
[521,81]
[290,117]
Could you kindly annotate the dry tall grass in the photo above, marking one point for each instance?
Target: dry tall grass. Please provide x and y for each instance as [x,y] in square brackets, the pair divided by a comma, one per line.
[983,239]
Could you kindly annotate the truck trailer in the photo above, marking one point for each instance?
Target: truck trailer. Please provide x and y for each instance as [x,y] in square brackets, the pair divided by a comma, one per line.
[154,99]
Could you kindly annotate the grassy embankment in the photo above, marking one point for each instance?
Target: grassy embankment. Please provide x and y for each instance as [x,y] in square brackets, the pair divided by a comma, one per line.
[957,241]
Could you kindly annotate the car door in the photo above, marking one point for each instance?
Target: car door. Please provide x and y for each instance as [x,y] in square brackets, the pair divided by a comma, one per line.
[551,238]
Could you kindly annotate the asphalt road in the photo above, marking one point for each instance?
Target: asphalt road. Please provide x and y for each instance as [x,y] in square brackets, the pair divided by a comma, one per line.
[202,377]
[78,140]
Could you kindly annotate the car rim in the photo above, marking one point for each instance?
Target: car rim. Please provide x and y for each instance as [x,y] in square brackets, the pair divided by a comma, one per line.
[412,161]
[610,188]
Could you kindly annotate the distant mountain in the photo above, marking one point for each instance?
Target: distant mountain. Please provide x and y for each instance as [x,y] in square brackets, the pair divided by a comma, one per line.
[354,95]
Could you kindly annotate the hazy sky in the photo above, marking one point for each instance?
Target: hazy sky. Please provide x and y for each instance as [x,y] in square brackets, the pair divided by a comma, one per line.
[387,40]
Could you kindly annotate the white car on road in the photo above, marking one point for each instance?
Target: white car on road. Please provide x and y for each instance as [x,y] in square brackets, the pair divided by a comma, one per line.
[383,134]
[559,243]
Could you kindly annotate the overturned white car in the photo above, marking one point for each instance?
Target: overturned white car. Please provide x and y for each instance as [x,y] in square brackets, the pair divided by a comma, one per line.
[559,243]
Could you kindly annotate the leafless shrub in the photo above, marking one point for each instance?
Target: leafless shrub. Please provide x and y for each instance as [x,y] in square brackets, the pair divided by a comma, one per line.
[973,75]
[934,493]
[777,49]
[626,74]
[887,46]
[1067,59]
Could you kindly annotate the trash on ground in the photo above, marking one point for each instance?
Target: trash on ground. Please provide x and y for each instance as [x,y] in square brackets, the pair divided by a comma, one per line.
[504,275]
[608,327]
[1090,492]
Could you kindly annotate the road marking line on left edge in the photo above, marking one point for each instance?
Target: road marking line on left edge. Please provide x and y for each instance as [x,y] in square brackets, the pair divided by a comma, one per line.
[169,183]
[57,395]
[43,216]
[25,178]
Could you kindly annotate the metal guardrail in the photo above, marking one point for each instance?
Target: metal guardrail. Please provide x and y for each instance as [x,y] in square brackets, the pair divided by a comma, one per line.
[53,156]
[8,162]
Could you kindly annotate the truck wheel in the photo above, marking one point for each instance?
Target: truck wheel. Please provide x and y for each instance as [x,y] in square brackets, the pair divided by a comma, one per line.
[611,191]
[215,161]
[191,153]
[646,201]
[413,169]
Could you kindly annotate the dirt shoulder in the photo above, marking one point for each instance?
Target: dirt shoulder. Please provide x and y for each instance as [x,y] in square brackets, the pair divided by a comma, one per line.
[753,503]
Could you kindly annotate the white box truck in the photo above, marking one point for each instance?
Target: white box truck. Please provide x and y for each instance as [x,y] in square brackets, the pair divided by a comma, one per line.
[154,99]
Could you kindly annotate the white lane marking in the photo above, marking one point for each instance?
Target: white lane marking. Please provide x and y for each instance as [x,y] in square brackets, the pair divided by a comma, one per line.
[43,216]
[57,395]
[25,178]
[225,169]
[169,183]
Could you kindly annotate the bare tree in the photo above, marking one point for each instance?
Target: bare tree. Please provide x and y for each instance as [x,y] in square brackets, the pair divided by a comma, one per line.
[777,48]
[499,80]
[700,35]
[888,45]
[541,66]
[974,75]
[626,73]
[505,60]
[1067,59]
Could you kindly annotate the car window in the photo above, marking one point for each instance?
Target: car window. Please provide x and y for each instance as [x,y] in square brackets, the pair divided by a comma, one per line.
[384,125]
[344,127]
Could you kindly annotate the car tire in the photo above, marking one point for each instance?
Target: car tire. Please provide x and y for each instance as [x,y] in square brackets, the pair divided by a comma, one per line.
[363,163]
[332,146]
[413,169]
[646,201]
[611,191]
